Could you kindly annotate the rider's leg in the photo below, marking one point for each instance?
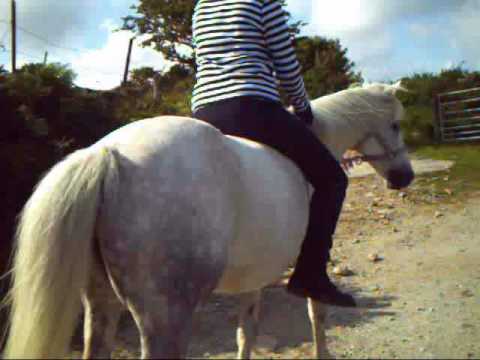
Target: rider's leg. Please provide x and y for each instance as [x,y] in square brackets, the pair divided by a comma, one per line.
[310,277]
[267,122]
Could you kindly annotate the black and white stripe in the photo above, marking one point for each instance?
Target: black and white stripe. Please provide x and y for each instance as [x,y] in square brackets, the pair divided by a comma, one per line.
[243,47]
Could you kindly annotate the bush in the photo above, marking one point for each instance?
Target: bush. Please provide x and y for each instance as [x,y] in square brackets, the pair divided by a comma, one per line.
[417,125]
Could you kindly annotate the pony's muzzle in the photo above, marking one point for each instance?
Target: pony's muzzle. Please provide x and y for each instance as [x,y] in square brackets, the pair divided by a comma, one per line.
[399,178]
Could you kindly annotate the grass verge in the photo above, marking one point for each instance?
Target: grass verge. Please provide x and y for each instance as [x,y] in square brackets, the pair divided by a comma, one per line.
[459,181]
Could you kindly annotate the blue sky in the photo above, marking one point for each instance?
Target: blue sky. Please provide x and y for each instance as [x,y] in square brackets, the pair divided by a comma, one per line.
[387,39]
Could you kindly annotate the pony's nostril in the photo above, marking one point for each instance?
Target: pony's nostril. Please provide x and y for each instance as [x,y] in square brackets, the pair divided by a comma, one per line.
[400,178]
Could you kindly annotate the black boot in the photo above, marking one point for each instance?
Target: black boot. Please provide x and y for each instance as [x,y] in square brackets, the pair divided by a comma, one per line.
[310,278]
[320,289]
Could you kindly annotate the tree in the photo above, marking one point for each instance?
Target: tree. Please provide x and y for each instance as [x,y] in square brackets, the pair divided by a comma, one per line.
[143,76]
[326,67]
[168,25]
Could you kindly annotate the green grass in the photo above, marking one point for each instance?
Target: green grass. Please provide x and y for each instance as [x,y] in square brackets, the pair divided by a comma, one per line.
[464,177]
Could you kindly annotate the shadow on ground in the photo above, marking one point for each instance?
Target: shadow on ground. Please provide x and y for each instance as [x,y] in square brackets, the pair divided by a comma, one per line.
[283,317]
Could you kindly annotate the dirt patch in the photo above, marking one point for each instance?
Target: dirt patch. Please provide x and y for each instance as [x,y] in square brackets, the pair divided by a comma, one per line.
[419,299]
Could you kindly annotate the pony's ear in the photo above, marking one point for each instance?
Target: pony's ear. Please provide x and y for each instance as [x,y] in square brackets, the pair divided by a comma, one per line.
[393,89]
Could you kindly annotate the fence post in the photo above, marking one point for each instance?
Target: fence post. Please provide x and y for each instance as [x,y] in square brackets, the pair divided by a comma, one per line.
[127,64]
[437,121]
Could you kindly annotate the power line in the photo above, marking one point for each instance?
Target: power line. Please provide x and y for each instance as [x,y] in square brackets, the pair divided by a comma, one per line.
[6,49]
[47,41]
[4,36]
[43,39]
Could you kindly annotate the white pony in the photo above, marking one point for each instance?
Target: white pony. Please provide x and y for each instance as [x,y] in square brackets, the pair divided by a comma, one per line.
[162,212]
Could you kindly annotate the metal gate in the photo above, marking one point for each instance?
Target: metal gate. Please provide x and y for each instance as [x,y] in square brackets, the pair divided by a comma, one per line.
[458,116]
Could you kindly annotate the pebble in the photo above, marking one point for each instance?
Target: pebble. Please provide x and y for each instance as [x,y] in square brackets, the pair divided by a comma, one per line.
[438,214]
[342,270]
[467,293]
[374,257]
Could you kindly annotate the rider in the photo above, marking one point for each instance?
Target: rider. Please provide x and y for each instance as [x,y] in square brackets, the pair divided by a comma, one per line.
[244,54]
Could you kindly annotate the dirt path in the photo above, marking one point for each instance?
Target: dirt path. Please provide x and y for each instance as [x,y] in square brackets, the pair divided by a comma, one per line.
[422,300]
[420,166]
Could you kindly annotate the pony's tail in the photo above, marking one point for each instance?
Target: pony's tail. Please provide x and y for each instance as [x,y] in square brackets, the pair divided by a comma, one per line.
[53,255]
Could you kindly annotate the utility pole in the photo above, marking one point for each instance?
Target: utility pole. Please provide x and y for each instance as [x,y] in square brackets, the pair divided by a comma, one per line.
[127,65]
[45,58]
[14,36]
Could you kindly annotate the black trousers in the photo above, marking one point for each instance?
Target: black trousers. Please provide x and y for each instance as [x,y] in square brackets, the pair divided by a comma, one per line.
[269,123]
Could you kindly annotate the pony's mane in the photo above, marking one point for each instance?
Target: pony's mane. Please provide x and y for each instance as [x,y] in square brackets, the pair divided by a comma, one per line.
[359,102]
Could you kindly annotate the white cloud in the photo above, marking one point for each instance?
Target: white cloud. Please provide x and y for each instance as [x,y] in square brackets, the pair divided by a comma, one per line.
[450,64]
[61,22]
[348,15]
[370,30]
[358,26]
[299,9]
[465,34]
[103,68]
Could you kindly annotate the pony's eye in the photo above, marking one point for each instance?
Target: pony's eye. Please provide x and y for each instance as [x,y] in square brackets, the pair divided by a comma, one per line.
[395,127]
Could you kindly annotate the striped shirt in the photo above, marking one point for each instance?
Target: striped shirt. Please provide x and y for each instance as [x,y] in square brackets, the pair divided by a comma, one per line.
[243,48]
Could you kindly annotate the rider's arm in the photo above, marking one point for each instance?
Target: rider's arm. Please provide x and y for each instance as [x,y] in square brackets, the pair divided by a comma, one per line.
[287,67]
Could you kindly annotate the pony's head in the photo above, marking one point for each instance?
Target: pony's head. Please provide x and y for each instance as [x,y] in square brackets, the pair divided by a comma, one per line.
[367,119]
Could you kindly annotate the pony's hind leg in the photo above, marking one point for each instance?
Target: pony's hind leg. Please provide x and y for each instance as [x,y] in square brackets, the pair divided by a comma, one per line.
[165,324]
[102,313]
[248,317]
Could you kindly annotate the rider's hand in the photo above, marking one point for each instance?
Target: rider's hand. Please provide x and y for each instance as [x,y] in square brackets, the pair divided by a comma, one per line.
[306,116]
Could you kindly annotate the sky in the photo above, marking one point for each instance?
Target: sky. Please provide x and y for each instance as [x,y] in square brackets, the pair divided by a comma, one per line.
[386,39]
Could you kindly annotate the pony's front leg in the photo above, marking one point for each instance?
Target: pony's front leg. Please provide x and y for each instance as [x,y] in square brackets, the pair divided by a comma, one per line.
[317,313]
[248,317]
